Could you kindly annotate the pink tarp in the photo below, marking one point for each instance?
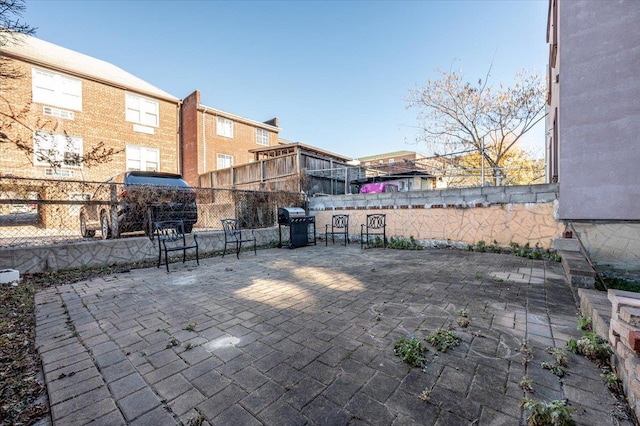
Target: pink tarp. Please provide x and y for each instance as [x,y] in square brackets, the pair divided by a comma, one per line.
[378,187]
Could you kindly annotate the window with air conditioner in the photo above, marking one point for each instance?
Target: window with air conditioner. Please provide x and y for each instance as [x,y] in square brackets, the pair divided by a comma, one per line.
[141,158]
[224,127]
[56,89]
[224,161]
[141,110]
[57,150]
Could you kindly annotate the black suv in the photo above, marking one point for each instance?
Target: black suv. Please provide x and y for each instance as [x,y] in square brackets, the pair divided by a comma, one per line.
[141,198]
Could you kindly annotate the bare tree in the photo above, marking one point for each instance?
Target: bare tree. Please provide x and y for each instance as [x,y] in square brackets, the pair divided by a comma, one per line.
[13,119]
[460,116]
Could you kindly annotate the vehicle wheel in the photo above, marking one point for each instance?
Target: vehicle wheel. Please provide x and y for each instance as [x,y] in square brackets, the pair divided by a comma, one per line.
[188,227]
[104,226]
[83,228]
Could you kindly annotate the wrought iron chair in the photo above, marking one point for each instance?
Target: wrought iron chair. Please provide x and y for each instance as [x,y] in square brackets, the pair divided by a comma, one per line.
[375,225]
[171,237]
[233,234]
[339,226]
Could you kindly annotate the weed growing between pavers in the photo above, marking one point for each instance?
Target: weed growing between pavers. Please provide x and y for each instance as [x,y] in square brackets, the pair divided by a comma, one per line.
[411,350]
[526,385]
[554,413]
[443,340]
[584,323]
[401,243]
[527,354]
[463,318]
[191,327]
[593,347]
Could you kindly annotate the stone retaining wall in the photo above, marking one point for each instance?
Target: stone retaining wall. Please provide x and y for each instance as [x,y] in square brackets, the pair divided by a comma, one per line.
[93,253]
[522,214]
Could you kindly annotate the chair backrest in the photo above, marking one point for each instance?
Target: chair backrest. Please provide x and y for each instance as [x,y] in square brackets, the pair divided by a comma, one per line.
[376,221]
[340,221]
[169,230]
[231,226]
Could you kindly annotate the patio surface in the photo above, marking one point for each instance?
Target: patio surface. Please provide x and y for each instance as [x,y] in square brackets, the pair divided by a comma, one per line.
[306,336]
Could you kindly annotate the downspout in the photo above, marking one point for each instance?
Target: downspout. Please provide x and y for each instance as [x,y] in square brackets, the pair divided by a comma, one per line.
[180,139]
[204,141]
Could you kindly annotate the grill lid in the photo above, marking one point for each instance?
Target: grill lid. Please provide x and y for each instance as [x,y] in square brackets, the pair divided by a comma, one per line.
[291,212]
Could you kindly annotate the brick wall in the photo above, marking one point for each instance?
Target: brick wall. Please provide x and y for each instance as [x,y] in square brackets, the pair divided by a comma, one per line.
[102,119]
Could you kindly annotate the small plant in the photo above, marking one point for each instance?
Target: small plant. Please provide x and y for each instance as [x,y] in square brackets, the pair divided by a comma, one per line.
[612,381]
[556,369]
[554,413]
[188,346]
[443,340]
[196,420]
[525,384]
[559,355]
[191,327]
[411,350]
[525,350]
[478,276]
[584,323]
[481,246]
[401,243]
[425,395]
[591,346]
[463,318]
[172,342]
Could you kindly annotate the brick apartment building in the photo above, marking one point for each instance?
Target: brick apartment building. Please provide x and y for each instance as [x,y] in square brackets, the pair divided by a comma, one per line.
[70,102]
[214,139]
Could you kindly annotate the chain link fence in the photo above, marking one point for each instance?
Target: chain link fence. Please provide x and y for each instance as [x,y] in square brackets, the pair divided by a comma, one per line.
[44,212]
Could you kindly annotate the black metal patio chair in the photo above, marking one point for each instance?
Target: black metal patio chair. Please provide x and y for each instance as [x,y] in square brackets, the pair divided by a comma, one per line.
[374,226]
[234,234]
[171,237]
[339,226]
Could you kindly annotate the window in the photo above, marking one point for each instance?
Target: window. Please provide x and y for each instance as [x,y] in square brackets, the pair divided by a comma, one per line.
[56,89]
[53,149]
[142,110]
[262,137]
[142,158]
[224,161]
[224,127]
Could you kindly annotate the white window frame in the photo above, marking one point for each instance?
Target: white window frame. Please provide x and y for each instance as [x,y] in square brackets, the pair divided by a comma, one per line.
[142,110]
[143,158]
[55,89]
[224,161]
[262,137]
[56,146]
[224,127]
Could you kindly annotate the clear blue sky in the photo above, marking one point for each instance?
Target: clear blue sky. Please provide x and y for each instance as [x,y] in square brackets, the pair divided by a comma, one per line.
[335,73]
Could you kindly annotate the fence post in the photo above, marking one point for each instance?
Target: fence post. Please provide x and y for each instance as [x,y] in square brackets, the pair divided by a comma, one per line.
[114,211]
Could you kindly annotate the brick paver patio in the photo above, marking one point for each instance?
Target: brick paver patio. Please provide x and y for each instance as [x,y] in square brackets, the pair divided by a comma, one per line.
[305,336]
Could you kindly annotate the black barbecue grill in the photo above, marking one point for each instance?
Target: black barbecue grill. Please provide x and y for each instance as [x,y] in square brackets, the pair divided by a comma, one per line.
[298,222]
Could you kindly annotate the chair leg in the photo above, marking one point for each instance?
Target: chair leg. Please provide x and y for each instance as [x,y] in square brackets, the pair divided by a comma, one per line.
[166,259]
[225,249]
[238,248]
[255,251]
